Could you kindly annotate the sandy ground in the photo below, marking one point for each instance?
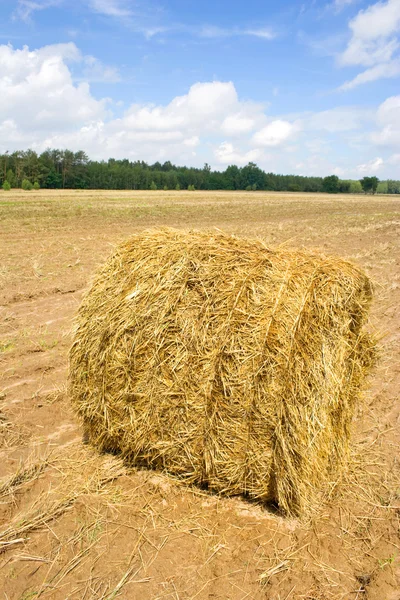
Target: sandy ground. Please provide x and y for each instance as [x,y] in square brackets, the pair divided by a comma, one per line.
[74,524]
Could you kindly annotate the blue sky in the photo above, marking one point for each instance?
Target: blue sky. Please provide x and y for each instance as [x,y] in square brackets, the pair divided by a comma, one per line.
[307,87]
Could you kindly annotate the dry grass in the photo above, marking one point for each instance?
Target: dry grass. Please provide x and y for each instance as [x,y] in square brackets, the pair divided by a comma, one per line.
[10,435]
[229,364]
[77,479]
[23,475]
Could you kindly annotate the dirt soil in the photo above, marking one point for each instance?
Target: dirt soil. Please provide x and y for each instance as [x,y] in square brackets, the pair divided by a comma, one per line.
[75,524]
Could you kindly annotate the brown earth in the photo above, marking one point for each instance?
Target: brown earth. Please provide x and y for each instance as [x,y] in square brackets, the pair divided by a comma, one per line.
[77,525]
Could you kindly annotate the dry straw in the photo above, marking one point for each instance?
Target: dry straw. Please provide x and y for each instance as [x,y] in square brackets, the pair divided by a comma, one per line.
[231,365]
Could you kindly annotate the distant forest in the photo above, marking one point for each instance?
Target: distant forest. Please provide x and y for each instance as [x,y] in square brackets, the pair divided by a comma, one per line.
[58,169]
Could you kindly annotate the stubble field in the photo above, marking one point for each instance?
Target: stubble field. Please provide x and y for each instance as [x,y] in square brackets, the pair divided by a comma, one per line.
[75,524]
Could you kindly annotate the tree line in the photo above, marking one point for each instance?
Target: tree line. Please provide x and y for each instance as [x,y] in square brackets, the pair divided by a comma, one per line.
[59,169]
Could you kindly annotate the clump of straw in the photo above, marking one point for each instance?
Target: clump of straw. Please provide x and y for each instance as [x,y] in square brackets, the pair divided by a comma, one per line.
[232,365]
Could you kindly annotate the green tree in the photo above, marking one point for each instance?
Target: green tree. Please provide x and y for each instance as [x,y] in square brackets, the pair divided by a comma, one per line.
[36,186]
[233,178]
[3,165]
[66,165]
[330,184]
[11,178]
[18,161]
[344,187]
[355,187]
[369,184]
[53,179]
[253,175]
[393,186]
[31,165]
[382,187]
[6,186]
[26,185]
[55,168]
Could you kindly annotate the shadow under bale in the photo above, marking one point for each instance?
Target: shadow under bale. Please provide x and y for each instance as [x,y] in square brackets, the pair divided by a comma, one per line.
[229,364]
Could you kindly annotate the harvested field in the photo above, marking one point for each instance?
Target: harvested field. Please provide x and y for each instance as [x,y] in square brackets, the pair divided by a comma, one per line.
[76,524]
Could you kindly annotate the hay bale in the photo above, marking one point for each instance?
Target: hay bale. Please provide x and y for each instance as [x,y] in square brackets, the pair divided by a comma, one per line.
[224,362]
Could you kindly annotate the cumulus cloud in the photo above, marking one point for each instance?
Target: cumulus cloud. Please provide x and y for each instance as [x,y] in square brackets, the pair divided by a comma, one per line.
[339,171]
[203,108]
[373,166]
[227,154]
[388,120]
[374,43]
[340,119]
[192,141]
[275,133]
[43,104]
[38,92]
[237,124]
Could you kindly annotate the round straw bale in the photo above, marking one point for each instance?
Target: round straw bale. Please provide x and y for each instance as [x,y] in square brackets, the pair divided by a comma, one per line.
[226,363]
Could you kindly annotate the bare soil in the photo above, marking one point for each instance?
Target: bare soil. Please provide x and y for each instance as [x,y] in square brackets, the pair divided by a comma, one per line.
[75,524]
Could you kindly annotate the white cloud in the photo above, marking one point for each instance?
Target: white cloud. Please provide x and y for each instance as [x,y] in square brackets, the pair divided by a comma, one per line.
[374,43]
[373,166]
[42,104]
[378,20]
[227,154]
[341,4]
[111,8]
[339,171]
[94,71]
[389,111]
[38,91]
[368,52]
[237,124]
[265,32]
[323,44]
[25,8]
[203,108]
[337,6]
[192,141]
[388,119]
[340,119]
[143,20]
[381,71]
[213,31]
[275,133]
